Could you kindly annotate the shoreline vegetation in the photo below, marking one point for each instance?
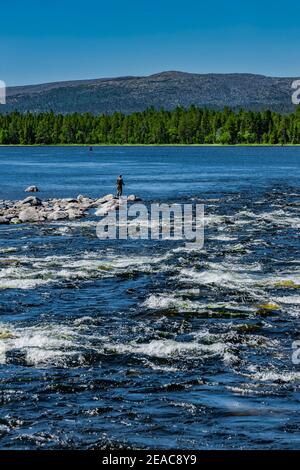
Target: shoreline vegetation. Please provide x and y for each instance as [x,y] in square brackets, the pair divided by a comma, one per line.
[92,145]
[149,145]
[180,127]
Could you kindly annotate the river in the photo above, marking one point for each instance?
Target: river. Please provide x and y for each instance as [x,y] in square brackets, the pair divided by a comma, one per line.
[145,343]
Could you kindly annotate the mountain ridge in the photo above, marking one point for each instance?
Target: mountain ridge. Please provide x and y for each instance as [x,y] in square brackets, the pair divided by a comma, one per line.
[166,90]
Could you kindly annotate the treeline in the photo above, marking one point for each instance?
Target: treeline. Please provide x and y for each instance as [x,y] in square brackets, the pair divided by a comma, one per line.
[180,126]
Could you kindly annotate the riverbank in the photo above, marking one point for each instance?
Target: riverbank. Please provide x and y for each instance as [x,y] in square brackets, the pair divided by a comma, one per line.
[148,145]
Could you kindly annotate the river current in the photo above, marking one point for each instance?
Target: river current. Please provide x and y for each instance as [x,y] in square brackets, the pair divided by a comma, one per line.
[146,343]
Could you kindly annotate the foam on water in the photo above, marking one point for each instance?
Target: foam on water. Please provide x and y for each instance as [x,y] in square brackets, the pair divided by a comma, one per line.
[47,344]
[182,304]
[165,301]
[224,238]
[278,217]
[288,299]
[64,345]
[275,376]
[28,272]
[166,348]
[217,276]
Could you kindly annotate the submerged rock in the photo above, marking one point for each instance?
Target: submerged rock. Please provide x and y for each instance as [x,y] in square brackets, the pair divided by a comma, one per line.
[6,335]
[270,306]
[248,328]
[15,221]
[287,284]
[267,309]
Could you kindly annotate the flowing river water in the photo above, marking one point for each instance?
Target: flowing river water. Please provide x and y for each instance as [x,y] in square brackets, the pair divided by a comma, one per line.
[148,344]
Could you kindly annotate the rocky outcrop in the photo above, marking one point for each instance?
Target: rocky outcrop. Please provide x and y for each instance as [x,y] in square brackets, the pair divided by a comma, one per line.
[32,189]
[33,201]
[34,210]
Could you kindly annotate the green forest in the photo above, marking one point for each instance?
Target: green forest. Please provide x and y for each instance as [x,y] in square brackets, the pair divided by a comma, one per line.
[180,126]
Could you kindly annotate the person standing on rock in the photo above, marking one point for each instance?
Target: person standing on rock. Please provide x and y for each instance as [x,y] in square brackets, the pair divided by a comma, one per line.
[120,184]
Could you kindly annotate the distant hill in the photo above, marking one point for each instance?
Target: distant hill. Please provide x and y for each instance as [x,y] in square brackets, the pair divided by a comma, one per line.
[163,90]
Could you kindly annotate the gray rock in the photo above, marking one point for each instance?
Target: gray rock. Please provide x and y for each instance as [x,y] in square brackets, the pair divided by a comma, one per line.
[10,216]
[32,189]
[33,201]
[104,199]
[86,201]
[74,214]
[31,214]
[57,215]
[72,205]
[107,207]
[4,220]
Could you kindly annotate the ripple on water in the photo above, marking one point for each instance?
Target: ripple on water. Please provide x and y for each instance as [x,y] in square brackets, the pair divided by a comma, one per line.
[128,339]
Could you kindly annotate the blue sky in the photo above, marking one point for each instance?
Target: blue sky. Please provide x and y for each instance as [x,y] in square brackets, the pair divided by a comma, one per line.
[63,40]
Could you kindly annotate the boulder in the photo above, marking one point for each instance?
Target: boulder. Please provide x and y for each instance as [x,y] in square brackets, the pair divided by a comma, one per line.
[85,202]
[10,215]
[107,207]
[74,214]
[32,189]
[104,199]
[4,220]
[57,215]
[31,214]
[33,201]
[81,198]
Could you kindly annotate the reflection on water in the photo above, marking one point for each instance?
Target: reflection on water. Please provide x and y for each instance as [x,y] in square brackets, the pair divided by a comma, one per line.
[107,344]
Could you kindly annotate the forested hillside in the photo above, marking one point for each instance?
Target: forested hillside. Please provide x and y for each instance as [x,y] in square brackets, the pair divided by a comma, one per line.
[180,126]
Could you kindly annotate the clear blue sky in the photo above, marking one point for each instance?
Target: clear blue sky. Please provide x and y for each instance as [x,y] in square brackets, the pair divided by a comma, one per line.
[62,40]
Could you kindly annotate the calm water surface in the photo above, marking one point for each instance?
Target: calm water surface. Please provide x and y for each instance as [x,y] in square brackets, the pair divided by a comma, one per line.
[109,344]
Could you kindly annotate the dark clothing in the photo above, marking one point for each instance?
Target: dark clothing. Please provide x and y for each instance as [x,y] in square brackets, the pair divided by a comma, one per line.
[120,184]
